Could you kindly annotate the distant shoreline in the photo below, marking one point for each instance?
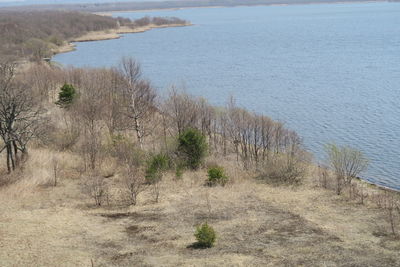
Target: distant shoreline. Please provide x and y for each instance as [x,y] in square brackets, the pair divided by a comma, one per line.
[110,35]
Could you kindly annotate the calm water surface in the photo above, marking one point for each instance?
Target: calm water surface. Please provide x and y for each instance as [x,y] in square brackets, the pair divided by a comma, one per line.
[330,72]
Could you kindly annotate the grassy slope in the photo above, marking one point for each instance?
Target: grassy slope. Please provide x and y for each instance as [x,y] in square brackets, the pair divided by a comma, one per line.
[257,224]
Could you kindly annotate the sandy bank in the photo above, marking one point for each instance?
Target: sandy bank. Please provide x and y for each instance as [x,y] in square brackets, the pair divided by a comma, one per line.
[110,34]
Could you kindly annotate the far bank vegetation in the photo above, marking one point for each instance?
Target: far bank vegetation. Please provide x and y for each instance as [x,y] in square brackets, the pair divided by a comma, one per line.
[36,35]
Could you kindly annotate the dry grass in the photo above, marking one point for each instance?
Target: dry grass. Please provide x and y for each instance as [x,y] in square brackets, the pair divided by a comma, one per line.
[256,224]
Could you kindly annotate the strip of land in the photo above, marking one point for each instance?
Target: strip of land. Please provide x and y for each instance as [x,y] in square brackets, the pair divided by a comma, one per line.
[110,34]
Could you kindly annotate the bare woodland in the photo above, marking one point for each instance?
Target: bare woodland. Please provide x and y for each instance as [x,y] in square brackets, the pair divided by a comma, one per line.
[30,35]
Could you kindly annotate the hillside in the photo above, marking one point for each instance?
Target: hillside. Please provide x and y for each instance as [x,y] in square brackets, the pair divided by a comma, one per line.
[110,174]
[257,224]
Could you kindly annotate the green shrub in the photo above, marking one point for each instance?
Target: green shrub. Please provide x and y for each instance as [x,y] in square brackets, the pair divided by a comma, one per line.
[66,96]
[157,165]
[205,236]
[192,147]
[216,175]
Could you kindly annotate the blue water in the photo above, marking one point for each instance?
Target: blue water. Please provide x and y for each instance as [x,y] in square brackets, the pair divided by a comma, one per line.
[331,72]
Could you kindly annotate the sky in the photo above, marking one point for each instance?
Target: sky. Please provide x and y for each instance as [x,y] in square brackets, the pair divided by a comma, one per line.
[39,2]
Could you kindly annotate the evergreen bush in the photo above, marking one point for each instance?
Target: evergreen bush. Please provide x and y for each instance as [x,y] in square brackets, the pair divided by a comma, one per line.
[205,236]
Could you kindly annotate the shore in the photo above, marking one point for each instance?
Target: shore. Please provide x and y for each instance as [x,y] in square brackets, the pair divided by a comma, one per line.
[109,35]
[111,13]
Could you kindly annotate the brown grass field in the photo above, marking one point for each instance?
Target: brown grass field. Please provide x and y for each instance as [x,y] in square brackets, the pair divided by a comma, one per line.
[256,224]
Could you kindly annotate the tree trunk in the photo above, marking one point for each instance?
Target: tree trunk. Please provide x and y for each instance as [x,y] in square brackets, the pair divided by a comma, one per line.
[338,185]
[11,157]
[138,132]
[8,159]
[16,153]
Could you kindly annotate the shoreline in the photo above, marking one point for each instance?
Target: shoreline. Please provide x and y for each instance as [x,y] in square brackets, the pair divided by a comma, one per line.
[109,35]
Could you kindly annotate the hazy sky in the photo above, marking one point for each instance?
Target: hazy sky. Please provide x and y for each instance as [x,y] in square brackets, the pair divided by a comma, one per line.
[38,2]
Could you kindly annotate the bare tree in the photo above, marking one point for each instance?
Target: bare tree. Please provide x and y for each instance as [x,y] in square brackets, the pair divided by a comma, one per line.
[114,104]
[347,163]
[89,108]
[44,80]
[20,115]
[267,129]
[139,100]
[181,108]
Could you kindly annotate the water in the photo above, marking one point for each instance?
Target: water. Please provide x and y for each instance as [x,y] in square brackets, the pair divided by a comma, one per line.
[330,72]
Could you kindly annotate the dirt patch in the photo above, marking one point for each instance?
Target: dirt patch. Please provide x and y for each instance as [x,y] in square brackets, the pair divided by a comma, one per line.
[132,215]
[116,215]
[136,229]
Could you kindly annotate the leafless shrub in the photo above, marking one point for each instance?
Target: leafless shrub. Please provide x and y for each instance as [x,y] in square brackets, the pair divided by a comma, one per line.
[181,109]
[347,163]
[323,177]
[156,189]
[379,200]
[280,170]
[131,159]
[134,182]
[56,166]
[391,205]
[359,191]
[95,186]
[44,81]
[66,135]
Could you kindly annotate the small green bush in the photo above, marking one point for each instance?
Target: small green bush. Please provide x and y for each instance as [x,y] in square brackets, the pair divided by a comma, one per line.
[192,147]
[205,236]
[216,175]
[157,165]
[66,95]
